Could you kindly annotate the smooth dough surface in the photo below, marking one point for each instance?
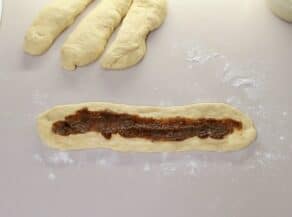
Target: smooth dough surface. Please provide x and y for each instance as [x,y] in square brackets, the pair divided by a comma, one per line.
[282,8]
[89,39]
[130,45]
[237,140]
[50,23]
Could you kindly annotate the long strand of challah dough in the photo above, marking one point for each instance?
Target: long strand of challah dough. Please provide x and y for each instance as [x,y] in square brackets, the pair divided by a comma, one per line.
[71,127]
[88,41]
[50,23]
[130,45]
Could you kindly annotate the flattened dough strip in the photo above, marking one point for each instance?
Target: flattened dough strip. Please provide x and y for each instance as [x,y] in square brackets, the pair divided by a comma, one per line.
[50,23]
[89,39]
[129,47]
[237,140]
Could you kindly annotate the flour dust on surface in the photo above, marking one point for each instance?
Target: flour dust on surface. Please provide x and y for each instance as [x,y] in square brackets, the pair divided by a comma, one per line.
[243,83]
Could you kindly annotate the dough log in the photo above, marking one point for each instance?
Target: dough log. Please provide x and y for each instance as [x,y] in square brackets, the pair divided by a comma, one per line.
[50,23]
[235,140]
[130,45]
[281,8]
[88,41]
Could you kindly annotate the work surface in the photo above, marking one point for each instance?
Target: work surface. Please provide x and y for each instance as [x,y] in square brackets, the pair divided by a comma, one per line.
[207,51]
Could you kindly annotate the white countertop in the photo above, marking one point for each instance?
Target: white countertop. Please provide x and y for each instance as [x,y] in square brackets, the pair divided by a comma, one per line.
[0,9]
[207,51]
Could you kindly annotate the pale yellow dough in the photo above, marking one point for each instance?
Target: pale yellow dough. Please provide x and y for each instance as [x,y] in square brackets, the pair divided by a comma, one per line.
[237,140]
[50,23]
[130,45]
[89,39]
[282,8]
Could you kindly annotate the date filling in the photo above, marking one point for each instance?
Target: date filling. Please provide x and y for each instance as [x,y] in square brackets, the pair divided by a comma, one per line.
[108,123]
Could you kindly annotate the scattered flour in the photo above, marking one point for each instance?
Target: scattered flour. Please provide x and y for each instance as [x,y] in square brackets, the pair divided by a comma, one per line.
[168,168]
[51,176]
[259,111]
[264,159]
[61,157]
[233,100]
[193,167]
[101,162]
[284,114]
[200,55]
[38,157]
[226,67]
[147,167]
[164,156]
[242,76]
[165,103]
[244,82]
[39,98]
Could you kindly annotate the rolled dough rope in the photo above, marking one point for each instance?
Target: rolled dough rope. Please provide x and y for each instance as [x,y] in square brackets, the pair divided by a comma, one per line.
[234,141]
[50,23]
[88,41]
[129,47]
[282,8]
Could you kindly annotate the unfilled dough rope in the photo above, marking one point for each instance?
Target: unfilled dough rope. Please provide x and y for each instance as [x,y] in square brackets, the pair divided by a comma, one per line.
[88,41]
[50,23]
[130,45]
[281,8]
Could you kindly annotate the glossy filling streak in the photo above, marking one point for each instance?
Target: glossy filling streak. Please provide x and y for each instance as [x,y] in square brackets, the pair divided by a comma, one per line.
[133,126]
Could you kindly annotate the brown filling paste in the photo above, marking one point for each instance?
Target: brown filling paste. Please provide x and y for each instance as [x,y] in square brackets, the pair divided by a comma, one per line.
[134,126]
